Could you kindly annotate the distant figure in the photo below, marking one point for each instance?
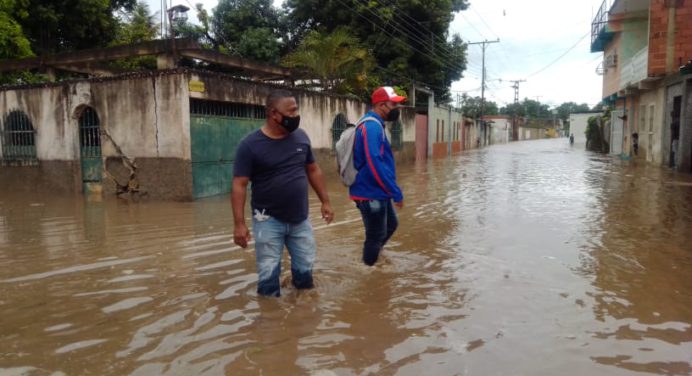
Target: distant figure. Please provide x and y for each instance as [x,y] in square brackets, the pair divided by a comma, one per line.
[635,143]
[571,139]
[478,142]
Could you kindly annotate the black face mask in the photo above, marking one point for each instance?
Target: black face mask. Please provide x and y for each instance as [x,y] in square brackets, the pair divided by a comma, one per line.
[290,123]
[393,115]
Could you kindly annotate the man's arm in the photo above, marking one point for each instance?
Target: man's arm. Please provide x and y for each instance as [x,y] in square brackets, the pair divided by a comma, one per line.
[241,234]
[317,182]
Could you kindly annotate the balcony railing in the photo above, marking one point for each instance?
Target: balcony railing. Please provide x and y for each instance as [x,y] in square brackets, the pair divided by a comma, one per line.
[599,26]
[635,69]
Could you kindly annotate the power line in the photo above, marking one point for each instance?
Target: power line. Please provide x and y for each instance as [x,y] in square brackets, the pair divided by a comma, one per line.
[559,57]
[408,32]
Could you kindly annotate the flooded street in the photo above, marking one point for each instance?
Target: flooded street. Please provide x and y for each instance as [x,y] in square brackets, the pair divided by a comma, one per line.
[534,258]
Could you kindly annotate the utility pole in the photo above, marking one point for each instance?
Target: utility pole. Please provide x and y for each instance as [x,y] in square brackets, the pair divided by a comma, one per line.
[483,44]
[515,128]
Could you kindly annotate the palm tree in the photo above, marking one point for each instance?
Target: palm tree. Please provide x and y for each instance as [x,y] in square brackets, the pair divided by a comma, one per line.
[336,59]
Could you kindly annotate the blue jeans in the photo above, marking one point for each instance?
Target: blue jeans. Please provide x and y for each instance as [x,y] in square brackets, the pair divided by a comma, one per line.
[380,222]
[271,235]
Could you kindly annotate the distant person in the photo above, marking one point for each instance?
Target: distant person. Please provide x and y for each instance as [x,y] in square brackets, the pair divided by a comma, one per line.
[571,139]
[278,160]
[375,186]
[635,143]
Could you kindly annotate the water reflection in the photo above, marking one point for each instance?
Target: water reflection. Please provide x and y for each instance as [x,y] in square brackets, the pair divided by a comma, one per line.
[531,258]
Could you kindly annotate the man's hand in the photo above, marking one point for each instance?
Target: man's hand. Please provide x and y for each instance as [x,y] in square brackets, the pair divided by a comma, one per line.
[327,213]
[399,205]
[241,235]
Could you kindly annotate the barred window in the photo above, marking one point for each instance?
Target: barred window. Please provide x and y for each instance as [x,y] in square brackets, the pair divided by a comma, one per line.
[226,109]
[18,137]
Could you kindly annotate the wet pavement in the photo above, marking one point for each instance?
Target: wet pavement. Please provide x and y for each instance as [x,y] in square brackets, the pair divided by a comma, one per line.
[534,258]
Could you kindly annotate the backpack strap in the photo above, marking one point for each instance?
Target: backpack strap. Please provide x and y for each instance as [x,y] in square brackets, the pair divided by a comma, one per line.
[368,118]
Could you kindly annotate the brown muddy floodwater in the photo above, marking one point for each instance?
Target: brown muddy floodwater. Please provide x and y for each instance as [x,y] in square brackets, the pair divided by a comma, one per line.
[533,258]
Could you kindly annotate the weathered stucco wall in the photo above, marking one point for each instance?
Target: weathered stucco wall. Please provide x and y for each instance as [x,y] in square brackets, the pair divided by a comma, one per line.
[611,75]
[440,145]
[140,117]
[317,111]
[146,118]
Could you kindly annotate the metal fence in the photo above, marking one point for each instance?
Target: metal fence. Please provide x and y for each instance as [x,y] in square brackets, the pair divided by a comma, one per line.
[18,137]
[226,109]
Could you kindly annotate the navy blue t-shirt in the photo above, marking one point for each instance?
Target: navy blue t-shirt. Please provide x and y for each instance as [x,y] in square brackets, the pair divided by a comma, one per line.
[276,169]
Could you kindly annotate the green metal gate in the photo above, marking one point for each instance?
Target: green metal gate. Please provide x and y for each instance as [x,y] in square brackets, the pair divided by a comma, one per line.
[216,129]
[90,149]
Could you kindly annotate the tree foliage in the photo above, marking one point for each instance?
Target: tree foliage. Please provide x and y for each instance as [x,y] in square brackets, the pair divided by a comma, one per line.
[136,26]
[471,107]
[13,42]
[567,108]
[408,38]
[527,108]
[336,59]
[248,28]
[64,25]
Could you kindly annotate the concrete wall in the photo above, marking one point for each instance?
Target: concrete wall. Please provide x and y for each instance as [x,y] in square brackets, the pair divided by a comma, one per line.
[472,133]
[145,118]
[578,122]
[526,133]
[441,124]
[500,129]
[140,116]
[611,75]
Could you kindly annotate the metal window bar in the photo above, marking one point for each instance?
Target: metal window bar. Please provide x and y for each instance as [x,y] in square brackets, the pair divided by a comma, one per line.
[338,127]
[18,137]
[226,109]
[89,133]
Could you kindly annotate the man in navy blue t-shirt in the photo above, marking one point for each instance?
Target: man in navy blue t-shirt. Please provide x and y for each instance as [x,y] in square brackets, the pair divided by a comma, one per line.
[278,160]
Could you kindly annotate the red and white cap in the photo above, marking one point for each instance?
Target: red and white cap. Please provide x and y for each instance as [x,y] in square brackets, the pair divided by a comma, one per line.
[386,93]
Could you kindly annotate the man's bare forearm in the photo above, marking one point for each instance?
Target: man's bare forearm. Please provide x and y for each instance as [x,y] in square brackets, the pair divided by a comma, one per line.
[238,196]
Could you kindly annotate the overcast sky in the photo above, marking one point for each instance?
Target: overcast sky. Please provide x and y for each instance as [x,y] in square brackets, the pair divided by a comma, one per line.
[533,35]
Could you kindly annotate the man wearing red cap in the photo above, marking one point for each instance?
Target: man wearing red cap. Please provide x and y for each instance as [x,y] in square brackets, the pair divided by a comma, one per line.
[375,186]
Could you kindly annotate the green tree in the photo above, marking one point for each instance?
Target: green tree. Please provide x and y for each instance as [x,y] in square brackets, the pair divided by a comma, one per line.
[336,59]
[408,38]
[136,26]
[201,33]
[65,25]
[567,108]
[471,107]
[248,28]
[528,108]
[13,43]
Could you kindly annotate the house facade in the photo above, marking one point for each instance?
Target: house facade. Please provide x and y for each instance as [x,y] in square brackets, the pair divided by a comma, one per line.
[647,48]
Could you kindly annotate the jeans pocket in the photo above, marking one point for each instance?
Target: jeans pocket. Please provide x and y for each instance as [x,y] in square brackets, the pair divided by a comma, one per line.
[375,206]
